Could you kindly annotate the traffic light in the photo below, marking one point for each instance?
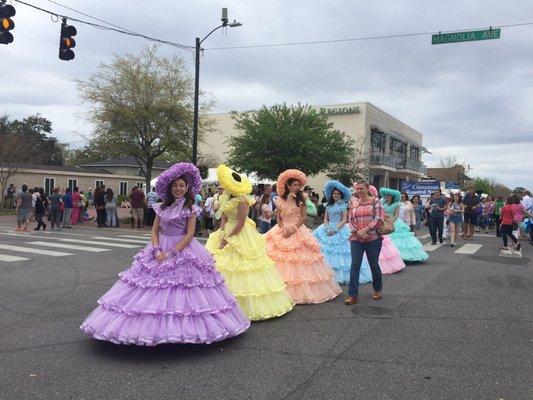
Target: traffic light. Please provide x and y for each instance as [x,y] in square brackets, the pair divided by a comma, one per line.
[6,23]
[66,43]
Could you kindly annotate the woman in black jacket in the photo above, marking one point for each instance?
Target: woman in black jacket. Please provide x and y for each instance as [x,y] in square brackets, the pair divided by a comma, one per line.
[41,208]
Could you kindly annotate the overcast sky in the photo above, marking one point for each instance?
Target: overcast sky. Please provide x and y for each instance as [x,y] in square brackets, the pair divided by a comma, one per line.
[472,100]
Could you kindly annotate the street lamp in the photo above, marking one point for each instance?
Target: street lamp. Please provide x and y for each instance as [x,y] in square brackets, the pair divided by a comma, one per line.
[199,42]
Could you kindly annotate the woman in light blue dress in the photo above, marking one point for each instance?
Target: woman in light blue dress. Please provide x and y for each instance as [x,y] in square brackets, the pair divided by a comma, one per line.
[333,234]
[407,244]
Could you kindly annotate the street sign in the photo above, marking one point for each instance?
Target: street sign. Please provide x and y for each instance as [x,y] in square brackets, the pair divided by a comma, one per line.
[456,37]
[421,188]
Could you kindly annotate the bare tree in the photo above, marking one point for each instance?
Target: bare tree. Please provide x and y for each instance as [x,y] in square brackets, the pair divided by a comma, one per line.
[356,168]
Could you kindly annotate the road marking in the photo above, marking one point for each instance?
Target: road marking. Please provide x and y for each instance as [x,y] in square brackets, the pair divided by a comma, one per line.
[122,245]
[69,246]
[8,258]
[135,237]
[423,236]
[469,248]
[119,240]
[432,247]
[35,251]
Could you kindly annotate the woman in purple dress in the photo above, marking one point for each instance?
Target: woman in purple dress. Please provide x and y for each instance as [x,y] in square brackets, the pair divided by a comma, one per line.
[172,292]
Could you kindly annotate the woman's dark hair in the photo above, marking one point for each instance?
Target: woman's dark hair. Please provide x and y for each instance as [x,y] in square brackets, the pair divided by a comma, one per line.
[189,196]
[331,201]
[509,200]
[299,194]
[109,194]
[459,198]
[76,189]
[406,196]
[265,199]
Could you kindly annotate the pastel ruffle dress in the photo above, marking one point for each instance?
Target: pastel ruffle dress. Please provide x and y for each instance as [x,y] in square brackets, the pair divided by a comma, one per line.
[249,273]
[336,248]
[404,240]
[299,260]
[180,300]
[390,260]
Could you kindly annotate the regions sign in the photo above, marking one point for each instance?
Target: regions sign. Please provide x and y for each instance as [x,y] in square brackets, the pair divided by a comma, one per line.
[340,110]
[456,37]
[422,188]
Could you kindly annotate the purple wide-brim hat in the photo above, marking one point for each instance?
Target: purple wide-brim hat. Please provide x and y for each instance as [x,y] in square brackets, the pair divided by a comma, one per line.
[188,171]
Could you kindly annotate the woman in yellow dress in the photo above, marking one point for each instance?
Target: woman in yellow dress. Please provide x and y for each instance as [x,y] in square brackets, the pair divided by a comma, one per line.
[293,247]
[240,253]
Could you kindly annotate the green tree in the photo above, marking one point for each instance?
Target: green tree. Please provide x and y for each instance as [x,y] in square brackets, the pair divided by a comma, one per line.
[34,131]
[280,137]
[482,184]
[142,105]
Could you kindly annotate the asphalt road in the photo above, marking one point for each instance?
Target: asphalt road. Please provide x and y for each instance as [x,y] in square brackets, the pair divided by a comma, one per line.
[455,327]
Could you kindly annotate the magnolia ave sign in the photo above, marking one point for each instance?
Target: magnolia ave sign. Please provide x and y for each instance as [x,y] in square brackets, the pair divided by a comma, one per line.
[457,37]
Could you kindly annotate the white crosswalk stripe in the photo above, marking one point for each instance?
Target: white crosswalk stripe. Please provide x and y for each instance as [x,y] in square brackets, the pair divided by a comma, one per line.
[69,246]
[432,247]
[112,239]
[8,258]
[469,248]
[23,249]
[121,245]
[135,236]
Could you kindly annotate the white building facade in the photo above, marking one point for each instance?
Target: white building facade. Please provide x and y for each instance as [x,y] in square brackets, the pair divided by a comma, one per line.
[392,150]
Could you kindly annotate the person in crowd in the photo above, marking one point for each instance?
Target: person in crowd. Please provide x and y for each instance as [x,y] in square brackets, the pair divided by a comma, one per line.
[216,205]
[67,213]
[418,209]
[273,196]
[407,212]
[471,202]
[437,205]
[488,213]
[498,205]
[90,197]
[84,204]
[333,235]
[55,209]
[209,214]
[24,205]
[41,208]
[294,249]
[10,196]
[508,219]
[151,199]
[138,201]
[76,206]
[404,240]
[172,292]
[99,205]
[267,212]
[527,204]
[111,208]
[240,252]
[456,211]
[365,216]
[519,213]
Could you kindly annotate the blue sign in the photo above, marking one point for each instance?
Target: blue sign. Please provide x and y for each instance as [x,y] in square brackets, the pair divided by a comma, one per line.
[451,185]
[422,188]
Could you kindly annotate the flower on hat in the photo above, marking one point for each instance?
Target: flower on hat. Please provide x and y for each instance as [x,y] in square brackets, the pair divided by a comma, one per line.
[233,182]
[336,185]
[286,175]
[185,170]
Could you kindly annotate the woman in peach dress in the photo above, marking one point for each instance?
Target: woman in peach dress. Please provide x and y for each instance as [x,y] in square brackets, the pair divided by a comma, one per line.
[294,249]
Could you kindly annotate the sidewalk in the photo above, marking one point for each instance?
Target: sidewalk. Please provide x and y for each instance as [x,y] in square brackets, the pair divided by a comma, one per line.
[122,213]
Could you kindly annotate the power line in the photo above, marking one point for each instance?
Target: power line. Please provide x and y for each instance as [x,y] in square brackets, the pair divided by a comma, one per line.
[90,16]
[399,35]
[108,28]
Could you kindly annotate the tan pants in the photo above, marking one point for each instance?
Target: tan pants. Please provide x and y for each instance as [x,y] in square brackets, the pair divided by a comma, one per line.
[138,214]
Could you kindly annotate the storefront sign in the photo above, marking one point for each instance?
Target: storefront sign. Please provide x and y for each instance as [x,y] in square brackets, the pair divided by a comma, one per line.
[422,188]
[340,110]
[451,185]
[457,37]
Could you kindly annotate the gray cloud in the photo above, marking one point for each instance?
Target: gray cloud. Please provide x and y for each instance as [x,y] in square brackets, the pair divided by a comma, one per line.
[470,98]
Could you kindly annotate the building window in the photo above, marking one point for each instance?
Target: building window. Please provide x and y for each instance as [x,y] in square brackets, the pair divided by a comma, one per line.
[397,148]
[72,183]
[140,185]
[98,183]
[123,188]
[49,184]
[378,142]
[415,153]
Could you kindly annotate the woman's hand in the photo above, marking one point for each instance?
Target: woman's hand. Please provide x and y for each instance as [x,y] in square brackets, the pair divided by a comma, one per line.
[223,243]
[160,256]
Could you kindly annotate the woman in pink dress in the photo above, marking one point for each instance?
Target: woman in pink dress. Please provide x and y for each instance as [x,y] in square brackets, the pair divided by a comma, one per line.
[76,206]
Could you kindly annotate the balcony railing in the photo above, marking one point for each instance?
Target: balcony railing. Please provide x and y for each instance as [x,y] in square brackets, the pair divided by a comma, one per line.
[398,163]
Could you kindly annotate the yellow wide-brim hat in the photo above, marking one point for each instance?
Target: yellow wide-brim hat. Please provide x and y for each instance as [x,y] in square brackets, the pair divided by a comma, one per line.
[285,176]
[233,182]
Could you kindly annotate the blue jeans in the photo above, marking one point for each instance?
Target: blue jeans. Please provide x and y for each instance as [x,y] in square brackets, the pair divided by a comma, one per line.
[372,250]
[264,226]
